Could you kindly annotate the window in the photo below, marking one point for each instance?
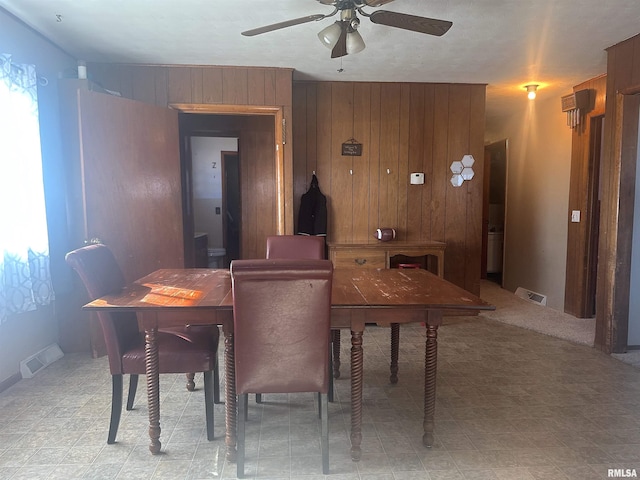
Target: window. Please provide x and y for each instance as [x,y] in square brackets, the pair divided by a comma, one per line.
[25,281]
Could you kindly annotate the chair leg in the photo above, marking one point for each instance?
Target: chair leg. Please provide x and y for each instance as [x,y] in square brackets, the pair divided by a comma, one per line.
[216,384]
[330,373]
[324,409]
[116,407]
[208,403]
[242,415]
[335,342]
[133,386]
[191,385]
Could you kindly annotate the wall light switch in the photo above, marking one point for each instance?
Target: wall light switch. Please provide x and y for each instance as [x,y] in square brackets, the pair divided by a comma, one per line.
[575,216]
[417,178]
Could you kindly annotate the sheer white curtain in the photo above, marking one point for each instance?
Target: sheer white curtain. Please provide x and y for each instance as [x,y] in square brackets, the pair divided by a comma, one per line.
[25,281]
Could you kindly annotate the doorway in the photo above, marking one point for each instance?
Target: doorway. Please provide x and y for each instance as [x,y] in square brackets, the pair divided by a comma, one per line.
[215,181]
[260,170]
[494,207]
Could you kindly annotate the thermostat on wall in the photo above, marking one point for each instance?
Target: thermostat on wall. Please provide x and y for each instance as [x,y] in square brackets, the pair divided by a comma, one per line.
[417,178]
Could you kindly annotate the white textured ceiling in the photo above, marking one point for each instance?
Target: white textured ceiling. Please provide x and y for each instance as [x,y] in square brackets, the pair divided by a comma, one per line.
[503,43]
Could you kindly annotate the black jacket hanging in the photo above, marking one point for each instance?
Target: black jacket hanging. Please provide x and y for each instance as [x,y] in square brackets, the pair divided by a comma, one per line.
[312,217]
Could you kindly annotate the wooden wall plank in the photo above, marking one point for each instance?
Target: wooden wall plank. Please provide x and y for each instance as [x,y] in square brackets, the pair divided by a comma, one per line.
[427,160]
[323,146]
[212,85]
[197,84]
[362,231]
[255,86]
[402,185]
[441,172]
[270,87]
[341,223]
[456,197]
[374,158]
[179,85]
[234,86]
[414,161]
[142,78]
[389,154]
[284,82]
[161,86]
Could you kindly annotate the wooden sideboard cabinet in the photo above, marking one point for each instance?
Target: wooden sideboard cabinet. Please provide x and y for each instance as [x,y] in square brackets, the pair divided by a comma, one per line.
[381,254]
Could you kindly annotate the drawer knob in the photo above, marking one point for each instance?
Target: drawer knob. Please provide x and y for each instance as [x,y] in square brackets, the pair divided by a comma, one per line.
[361,261]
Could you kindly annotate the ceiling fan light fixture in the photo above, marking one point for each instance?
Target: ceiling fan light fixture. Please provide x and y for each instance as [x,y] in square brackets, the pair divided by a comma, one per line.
[329,35]
[355,43]
[531,91]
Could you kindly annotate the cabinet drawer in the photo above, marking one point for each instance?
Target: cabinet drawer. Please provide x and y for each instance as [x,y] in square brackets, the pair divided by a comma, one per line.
[358,258]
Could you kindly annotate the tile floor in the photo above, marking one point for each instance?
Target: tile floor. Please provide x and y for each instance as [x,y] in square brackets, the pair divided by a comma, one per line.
[511,404]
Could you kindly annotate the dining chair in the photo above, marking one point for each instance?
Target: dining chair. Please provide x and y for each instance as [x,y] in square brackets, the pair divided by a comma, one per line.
[302,247]
[179,351]
[282,323]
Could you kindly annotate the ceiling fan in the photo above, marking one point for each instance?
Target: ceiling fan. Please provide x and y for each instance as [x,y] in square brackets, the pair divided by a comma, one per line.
[342,37]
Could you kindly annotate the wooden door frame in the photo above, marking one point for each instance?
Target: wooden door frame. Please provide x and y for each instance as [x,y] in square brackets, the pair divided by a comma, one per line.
[278,117]
[223,158]
[612,301]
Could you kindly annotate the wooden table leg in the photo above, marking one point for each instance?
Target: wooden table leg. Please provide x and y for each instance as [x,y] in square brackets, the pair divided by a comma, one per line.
[356,394]
[152,371]
[229,395]
[335,343]
[434,319]
[395,345]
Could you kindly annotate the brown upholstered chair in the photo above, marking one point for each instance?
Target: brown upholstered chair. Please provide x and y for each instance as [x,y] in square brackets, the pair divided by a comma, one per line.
[282,323]
[299,247]
[181,351]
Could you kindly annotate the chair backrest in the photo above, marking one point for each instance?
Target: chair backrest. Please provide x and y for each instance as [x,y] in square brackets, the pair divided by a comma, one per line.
[295,246]
[282,321]
[100,273]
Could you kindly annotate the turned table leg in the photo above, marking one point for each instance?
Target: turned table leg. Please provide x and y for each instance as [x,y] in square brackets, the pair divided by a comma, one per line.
[434,319]
[230,396]
[356,394]
[395,345]
[153,387]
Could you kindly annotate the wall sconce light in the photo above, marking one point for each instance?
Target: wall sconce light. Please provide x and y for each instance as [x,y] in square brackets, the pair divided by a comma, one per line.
[531,91]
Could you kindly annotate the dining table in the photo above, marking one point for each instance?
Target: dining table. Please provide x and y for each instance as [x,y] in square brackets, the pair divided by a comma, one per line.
[360,297]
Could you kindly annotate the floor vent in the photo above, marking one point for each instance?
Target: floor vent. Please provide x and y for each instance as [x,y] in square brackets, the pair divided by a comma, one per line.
[32,365]
[531,296]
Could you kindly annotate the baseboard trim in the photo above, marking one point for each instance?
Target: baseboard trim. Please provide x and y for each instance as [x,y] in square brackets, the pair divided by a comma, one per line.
[12,380]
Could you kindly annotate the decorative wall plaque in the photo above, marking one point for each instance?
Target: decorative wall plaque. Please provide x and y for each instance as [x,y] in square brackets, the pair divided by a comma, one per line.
[352,148]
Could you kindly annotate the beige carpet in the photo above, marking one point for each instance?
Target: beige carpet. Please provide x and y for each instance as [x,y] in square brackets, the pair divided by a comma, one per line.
[514,310]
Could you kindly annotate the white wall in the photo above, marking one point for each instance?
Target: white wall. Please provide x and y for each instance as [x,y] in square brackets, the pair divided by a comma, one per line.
[25,334]
[538,174]
[207,184]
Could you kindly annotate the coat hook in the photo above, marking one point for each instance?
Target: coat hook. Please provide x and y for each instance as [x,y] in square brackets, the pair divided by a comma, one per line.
[388,171]
[350,172]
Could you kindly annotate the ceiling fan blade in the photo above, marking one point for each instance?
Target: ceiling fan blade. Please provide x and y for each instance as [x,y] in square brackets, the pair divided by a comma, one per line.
[377,3]
[340,48]
[278,26]
[430,26]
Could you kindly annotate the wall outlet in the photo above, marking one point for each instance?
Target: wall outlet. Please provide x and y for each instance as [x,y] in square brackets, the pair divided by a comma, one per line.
[416,178]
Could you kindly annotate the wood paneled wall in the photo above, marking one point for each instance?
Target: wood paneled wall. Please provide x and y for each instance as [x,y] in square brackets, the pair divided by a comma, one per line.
[404,128]
[580,190]
[618,191]
[177,84]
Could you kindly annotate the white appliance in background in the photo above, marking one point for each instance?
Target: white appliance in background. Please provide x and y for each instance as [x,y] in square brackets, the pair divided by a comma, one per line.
[495,243]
